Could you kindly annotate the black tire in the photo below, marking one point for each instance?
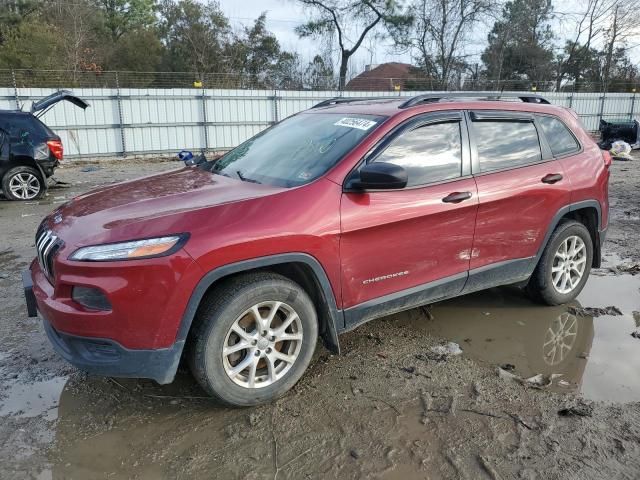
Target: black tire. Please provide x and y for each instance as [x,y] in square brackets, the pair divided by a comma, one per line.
[540,286]
[218,313]
[24,171]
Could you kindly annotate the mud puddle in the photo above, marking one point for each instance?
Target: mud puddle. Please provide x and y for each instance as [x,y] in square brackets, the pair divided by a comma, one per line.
[596,357]
[32,399]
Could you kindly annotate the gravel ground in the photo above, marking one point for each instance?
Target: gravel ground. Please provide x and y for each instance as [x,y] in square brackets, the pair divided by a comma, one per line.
[389,407]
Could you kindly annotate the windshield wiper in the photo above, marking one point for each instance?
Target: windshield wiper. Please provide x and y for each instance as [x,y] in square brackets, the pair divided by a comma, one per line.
[245,179]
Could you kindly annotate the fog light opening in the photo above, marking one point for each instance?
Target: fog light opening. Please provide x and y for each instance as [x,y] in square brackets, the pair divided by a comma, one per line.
[90,298]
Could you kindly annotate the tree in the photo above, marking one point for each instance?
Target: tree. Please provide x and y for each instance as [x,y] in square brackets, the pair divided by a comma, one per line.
[438,33]
[346,19]
[195,36]
[519,44]
[590,27]
[78,36]
[319,74]
[122,16]
[139,50]
[621,73]
[579,64]
[27,40]
[256,54]
[623,25]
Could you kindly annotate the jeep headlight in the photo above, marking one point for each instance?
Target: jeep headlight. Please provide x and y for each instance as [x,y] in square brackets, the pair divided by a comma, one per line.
[132,250]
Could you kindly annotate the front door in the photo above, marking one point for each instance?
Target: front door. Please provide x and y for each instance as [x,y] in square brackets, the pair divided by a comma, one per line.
[401,248]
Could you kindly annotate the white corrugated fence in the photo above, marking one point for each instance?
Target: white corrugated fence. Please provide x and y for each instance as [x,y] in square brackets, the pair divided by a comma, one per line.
[122,122]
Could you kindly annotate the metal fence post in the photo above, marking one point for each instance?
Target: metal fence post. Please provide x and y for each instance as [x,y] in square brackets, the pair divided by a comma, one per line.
[205,121]
[633,106]
[275,107]
[601,112]
[120,117]
[15,89]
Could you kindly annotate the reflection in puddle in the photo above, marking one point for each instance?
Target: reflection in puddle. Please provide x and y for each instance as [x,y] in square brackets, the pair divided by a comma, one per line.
[595,356]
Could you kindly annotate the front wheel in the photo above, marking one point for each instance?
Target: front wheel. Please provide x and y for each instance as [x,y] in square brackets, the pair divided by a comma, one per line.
[564,266]
[253,339]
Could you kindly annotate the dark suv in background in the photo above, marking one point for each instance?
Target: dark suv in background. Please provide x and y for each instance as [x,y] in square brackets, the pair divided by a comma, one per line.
[29,150]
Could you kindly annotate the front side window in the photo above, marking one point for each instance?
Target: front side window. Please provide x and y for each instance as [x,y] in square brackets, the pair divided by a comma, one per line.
[431,153]
[558,136]
[297,150]
[506,144]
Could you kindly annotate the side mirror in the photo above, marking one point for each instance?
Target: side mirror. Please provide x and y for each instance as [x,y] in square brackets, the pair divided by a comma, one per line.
[380,176]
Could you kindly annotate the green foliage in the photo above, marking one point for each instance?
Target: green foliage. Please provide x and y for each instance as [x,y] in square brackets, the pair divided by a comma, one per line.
[319,74]
[195,36]
[122,16]
[519,44]
[90,37]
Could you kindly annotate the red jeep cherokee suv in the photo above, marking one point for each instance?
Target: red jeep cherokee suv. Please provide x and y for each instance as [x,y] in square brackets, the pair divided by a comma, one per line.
[352,210]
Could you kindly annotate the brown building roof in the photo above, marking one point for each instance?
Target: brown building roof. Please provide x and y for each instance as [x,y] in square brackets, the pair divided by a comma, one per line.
[384,77]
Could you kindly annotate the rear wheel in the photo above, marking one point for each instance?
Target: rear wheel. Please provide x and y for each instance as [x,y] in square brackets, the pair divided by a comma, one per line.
[23,183]
[253,339]
[564,266]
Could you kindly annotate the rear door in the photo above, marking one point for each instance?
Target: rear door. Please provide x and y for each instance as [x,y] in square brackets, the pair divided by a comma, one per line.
[520,189]
[399,247]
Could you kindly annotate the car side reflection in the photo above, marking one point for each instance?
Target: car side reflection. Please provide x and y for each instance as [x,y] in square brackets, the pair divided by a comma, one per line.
[502,327]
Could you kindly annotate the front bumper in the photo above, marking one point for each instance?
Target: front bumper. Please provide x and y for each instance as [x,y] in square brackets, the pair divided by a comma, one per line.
[101,356]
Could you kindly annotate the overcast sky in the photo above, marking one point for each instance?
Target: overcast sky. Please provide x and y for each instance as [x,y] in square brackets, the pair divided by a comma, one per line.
[284,15]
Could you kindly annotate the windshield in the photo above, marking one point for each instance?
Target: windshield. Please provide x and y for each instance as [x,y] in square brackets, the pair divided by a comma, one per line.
[297,150]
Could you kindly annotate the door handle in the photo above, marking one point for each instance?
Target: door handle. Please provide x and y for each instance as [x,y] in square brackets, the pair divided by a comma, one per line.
[552,178]
[457,197]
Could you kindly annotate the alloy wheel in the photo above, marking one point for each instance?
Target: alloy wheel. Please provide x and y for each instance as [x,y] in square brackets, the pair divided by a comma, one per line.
[560,339]
[262,344]
[569,263]
[24,186]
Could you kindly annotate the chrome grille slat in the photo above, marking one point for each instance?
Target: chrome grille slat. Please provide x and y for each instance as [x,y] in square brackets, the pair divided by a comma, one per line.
[47,244]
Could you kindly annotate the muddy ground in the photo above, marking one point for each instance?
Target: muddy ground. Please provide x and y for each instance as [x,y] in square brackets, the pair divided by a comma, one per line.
[388,408]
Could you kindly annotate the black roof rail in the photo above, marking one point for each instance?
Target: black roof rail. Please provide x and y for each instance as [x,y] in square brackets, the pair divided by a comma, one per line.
[436,97]
[338,100]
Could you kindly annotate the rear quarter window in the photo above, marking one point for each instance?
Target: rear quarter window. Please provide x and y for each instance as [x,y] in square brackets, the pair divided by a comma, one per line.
[559,137]
[25,128]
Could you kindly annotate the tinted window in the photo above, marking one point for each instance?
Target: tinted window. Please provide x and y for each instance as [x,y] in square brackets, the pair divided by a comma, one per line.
[506,144]
[24,128]
[559,137]
[429,154]
[298,149]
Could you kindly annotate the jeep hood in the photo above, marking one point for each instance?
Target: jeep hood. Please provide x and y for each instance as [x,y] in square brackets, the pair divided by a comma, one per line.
[158,204]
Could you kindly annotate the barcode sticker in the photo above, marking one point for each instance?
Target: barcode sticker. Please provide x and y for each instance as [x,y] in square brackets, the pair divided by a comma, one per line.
[359,123]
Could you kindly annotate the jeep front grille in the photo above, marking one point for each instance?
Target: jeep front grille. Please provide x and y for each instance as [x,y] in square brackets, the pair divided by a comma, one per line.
[47,245]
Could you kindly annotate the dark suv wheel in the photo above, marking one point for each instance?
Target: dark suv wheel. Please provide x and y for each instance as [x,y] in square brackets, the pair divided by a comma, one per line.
[564,266]
[23,183]
[253,339]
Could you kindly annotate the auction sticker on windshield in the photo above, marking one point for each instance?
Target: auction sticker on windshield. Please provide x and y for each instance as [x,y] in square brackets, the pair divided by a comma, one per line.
[359,123]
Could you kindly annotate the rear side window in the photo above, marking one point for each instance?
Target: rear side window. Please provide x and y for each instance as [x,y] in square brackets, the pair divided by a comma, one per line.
[25,128]
[506,144]
[431,153]
[560,139]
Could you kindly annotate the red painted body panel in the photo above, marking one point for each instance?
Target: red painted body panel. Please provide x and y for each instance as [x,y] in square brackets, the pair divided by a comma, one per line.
[515,212]
[355,237]
[148,298]
[408,232]
[589,177]
[228,221]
